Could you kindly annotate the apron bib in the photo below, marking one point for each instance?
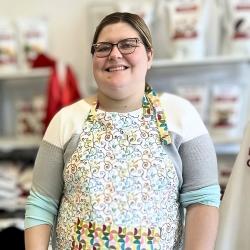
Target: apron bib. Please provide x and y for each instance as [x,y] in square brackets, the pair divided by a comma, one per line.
[121,188]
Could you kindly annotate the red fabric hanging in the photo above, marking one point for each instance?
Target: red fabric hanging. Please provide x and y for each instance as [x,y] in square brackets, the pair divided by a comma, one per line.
[59,92]
[43,60]
[70,92]
[54,93]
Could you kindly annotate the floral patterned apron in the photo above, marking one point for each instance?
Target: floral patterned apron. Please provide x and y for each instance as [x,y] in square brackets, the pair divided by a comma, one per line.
[121,188]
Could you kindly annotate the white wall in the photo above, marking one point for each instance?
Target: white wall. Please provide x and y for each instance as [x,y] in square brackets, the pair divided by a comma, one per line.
[69,31]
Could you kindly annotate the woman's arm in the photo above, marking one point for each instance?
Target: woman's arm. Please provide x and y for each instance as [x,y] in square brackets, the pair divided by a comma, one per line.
[42,202]
[37,237]
[201,227]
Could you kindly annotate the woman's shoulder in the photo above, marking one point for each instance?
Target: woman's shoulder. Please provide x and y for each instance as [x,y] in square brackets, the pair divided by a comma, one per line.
[67,122]
[177,107]
[80,107]
[174,101]
[75,114]
[182,116]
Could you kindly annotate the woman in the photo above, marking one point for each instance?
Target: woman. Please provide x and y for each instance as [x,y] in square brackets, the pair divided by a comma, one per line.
[115,171]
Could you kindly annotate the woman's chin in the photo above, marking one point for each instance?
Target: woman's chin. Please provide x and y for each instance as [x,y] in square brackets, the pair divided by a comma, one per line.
[116,92]
[116,85]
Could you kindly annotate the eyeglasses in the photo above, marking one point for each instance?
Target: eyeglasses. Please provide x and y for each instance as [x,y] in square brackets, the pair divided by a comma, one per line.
[125,46]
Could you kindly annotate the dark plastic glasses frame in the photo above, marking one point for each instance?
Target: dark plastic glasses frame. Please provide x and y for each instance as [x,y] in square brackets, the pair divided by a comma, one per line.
[102,54]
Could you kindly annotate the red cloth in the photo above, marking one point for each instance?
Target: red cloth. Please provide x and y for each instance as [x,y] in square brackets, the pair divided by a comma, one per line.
[70,92]
[59,93]
[54,94]
[43,60]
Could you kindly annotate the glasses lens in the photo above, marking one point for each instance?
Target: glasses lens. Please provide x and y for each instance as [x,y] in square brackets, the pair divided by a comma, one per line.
[127,46]
[103,49]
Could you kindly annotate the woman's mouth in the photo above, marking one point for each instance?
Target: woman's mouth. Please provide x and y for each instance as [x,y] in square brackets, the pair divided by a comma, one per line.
[116,68]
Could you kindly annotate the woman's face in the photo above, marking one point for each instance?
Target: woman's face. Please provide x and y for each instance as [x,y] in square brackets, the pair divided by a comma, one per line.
[120,76]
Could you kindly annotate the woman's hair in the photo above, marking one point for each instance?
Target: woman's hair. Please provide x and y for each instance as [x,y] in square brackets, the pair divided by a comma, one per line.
[133,20]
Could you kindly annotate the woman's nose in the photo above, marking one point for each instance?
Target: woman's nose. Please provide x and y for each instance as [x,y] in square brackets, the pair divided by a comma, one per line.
[115,53]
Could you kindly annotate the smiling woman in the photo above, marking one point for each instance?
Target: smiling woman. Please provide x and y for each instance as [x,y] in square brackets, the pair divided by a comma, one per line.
[120,75]
[116,171]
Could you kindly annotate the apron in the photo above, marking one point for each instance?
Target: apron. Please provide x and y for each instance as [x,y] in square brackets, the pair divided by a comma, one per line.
[121,187]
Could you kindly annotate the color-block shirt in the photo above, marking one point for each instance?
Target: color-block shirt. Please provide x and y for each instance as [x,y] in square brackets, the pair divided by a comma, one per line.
[114,185]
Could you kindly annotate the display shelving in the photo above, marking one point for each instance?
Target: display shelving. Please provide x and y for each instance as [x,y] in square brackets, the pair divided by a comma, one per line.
[15,85]
[7,144]
[24,74]
[173,63]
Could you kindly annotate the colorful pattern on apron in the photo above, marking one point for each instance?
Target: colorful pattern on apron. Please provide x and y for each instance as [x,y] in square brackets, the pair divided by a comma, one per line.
[121,188]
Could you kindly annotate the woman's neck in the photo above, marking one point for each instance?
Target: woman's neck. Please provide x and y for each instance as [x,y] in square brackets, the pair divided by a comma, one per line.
[110,104]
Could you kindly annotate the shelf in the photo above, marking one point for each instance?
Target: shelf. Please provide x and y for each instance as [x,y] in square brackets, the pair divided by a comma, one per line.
[227,145]
[8,144]
[161,63]
[24,74]
[227,149]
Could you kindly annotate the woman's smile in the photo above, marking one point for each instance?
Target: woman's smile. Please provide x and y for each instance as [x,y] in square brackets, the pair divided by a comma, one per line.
[116,68]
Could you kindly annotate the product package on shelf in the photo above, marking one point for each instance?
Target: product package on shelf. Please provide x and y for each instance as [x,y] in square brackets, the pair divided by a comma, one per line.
[96,11]
[237,27]
[9,190]
[198,95]
[33,39]
[181,29]
[15,184]
[8,46]
[30,117]
[226,112]
[144,10]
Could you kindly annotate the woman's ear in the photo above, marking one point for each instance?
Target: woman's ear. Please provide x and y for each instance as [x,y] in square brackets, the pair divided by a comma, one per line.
[150,57]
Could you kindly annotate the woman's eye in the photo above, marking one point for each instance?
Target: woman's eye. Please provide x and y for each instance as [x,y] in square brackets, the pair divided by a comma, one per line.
[127,45]
[103,48]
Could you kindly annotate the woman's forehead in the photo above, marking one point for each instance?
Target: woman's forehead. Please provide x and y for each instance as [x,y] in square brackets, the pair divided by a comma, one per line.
[117,31]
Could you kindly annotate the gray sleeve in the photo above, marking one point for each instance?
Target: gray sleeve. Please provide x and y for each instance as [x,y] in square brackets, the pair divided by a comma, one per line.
[199,163]
[48,171]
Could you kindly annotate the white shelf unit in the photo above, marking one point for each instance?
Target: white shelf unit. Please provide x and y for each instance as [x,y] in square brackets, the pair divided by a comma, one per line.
[14,85]
[20,150]
[7,144]
[223,60]
[24,74]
